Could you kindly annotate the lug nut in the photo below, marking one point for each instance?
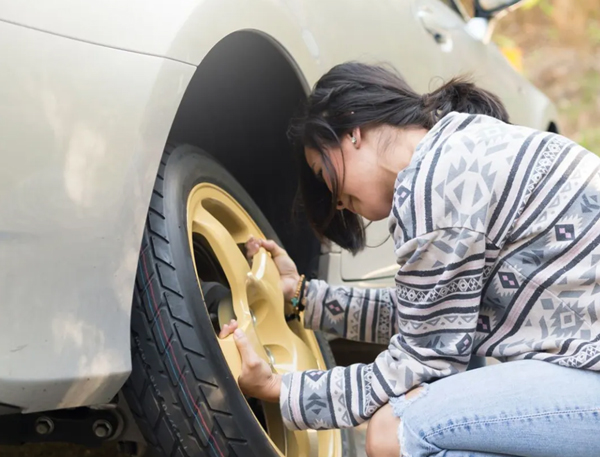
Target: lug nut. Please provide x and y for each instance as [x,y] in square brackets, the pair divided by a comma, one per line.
[44,425]
[102,428]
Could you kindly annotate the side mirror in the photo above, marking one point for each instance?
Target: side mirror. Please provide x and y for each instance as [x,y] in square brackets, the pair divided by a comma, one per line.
[489,8]
[481,26]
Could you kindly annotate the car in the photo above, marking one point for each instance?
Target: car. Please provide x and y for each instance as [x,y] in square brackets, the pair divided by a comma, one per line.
[143,143]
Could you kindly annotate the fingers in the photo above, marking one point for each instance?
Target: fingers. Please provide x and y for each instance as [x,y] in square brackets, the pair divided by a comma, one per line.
[272,247]
[249,356]
[228,329]
[252,247]
[254,244]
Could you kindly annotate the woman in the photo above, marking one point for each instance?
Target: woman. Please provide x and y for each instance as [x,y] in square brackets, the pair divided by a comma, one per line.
[497,236]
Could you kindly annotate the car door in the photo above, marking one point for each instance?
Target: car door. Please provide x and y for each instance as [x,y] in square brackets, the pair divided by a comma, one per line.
[447,49]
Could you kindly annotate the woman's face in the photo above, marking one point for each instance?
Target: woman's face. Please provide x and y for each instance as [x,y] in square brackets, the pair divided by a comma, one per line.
[365,186]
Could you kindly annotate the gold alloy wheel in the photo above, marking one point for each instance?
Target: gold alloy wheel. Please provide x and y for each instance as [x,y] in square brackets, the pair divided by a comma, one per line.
[258,305]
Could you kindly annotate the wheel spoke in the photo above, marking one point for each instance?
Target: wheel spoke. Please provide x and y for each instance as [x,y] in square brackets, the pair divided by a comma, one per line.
[232,355]
[289,352]
[228,254]
[231,259]
[302,443]
[309,338]
[328,443]
[263,287]
[297,443]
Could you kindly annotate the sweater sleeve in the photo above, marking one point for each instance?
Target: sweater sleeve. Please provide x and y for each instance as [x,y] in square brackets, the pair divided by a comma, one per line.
[366,315]
[439,287]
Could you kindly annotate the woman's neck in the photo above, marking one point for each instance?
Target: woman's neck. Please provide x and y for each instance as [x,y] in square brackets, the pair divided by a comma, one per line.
[401,149]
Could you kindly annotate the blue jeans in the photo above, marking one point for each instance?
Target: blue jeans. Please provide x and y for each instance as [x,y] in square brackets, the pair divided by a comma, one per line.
[524,408]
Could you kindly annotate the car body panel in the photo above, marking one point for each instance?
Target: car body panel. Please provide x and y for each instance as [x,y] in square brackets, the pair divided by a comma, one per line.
[88,94]
[80,156]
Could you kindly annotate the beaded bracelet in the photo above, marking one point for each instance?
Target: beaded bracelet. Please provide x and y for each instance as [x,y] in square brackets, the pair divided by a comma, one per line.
[298,300]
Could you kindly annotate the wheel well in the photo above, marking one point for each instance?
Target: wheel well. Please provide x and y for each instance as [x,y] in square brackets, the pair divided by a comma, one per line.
[237,107]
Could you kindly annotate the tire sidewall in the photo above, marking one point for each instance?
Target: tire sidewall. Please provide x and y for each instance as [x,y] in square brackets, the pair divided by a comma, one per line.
[187,167]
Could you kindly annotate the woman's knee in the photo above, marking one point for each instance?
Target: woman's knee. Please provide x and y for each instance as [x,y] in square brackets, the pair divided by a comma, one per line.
[382,434]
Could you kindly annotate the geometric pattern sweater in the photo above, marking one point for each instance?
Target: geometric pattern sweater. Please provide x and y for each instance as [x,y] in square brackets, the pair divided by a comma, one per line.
[497,235]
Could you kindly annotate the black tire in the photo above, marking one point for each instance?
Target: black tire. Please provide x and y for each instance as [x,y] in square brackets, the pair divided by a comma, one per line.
[181,391]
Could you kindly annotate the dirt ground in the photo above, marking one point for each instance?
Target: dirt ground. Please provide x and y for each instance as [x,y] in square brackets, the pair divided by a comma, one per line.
[559,41]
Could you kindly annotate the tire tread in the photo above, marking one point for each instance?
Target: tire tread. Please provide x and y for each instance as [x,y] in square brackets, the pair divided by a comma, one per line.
[153,384]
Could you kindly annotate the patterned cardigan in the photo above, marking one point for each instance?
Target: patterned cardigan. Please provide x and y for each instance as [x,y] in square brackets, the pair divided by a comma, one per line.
[497,237]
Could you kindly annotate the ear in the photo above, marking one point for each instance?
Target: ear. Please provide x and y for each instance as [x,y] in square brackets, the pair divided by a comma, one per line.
[356,133]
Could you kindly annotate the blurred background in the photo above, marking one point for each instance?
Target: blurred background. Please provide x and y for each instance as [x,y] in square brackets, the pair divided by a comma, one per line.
[556,45]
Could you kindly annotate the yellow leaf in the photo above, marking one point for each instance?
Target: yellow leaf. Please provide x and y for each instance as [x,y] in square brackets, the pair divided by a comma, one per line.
[514,55]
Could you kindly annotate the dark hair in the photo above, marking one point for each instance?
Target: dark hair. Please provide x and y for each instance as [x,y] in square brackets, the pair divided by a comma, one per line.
[354,95]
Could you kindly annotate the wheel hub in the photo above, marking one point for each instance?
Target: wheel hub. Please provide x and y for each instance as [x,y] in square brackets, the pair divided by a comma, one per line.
[218,300]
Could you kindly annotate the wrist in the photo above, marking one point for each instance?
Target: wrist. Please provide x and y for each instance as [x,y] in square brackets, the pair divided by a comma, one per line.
[289,296]
[297,281]
[298,300]
[289,286]
[274,389]
[305,292]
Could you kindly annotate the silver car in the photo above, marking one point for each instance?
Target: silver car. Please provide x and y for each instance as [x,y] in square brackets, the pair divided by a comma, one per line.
[143,142]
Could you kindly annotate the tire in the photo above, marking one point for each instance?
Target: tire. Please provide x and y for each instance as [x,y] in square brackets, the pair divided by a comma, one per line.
[181,391]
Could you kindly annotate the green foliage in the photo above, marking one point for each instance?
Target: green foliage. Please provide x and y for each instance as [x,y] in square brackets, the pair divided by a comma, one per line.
[544,5]
[593,32]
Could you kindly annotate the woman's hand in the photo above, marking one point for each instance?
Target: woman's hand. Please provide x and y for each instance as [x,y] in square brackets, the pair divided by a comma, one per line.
[286,266]
[257,380]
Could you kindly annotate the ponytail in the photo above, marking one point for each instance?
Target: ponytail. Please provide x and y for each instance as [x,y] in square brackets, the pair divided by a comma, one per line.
[463,96]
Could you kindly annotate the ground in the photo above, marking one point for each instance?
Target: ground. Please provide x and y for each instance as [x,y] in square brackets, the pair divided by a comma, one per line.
[559,41]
